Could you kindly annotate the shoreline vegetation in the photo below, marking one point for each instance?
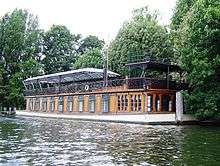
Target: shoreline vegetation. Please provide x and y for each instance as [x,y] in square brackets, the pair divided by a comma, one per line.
[192,40]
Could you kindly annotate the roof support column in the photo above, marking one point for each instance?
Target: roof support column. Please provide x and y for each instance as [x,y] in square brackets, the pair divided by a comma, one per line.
[33,85]
[168,79]
[39,85]
[59,83]
[24,85]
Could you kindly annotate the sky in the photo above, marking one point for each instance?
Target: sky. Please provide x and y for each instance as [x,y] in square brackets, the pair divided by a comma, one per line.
[102,18]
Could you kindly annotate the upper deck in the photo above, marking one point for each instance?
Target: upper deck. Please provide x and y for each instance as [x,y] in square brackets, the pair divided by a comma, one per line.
[91,80]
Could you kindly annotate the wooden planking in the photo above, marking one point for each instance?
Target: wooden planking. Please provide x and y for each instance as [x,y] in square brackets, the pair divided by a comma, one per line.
[86,103]
[27,103]
[98,103]
[113,101]
[112,105]
[64,103]
[48,104]
[56,104]
[75,104]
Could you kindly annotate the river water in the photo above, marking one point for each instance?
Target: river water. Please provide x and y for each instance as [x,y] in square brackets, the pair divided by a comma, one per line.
[41,141]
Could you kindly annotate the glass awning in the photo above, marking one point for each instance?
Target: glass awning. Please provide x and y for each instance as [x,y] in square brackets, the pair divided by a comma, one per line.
[71,76]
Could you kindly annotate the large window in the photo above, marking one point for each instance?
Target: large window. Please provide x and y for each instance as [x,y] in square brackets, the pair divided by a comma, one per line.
[52,104]
[123,103]
[60,104]
[80,103]
[92,103]
[70,103]
[105,103]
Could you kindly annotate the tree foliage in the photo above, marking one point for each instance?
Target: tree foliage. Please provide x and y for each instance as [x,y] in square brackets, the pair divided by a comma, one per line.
[90,42]
[197,42]
[142,35]
[91,58]
[60,48]
[19,42]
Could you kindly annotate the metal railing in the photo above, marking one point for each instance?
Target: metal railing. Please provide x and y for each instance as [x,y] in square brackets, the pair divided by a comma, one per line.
[131,83]
[75,87]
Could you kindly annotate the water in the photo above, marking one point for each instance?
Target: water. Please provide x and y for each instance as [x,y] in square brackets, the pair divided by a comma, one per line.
[41,141]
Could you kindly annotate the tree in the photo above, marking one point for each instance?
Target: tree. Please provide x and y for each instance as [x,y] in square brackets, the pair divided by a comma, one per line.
[59,48]
[142,35]
[90,42]
[91,58]
[197,41]
[19,36]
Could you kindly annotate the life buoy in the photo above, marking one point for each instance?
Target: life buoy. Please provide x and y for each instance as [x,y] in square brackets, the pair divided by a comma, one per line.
[86,87]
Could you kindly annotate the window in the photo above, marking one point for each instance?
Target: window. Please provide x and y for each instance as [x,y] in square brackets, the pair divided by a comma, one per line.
[165,103]
[105,103]
[91,103]
[132,103]
[157,103]
[44,104]
[135,102]
[126,102]
[139,102]
[122,103]
[170,105]
[80,103]
[119,103]
[30,107]
[70,103]
[149,103]
[52,104]
[37,104]
[60,104]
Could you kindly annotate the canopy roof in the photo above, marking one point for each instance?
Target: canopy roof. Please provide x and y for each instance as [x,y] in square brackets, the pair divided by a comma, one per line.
[71,76]
[155,65]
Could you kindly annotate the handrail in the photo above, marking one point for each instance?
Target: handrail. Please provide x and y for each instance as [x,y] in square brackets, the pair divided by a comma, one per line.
[131,83]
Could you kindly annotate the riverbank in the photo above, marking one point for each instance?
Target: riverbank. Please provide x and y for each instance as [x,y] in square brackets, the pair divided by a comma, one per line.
[157,119]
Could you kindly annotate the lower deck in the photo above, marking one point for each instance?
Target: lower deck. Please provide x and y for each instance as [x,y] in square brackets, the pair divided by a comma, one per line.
[106,102]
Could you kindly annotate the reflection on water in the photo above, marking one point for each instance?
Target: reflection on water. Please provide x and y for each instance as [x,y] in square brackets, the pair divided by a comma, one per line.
[40,141]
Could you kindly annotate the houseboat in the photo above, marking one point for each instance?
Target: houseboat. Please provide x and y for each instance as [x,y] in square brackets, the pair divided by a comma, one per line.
[100,91]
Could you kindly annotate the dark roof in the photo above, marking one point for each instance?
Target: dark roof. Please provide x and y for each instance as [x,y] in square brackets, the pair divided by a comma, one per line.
[71,76]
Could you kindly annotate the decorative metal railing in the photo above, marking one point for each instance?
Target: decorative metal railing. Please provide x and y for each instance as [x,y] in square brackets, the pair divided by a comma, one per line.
[131,83]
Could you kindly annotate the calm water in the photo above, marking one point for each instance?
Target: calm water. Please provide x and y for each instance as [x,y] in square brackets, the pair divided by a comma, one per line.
[39,141]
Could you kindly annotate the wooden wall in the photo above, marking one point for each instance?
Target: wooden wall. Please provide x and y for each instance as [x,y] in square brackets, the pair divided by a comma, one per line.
[119,102]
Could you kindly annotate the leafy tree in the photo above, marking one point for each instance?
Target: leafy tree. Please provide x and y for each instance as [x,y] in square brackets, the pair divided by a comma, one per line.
[59,48]
[91,58]
[197,41]
[19,36]
[180,11]
[90,42]
[141,36]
